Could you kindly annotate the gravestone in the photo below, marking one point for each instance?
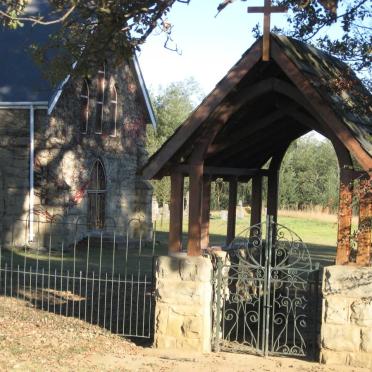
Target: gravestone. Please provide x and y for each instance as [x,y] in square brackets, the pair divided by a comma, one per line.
[165,212]
[240,210]
[155,209]
[223,215]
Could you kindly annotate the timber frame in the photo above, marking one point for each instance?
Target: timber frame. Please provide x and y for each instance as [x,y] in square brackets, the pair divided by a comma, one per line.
[242,130]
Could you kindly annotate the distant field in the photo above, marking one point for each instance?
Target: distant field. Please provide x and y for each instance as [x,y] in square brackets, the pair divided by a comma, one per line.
[317,230]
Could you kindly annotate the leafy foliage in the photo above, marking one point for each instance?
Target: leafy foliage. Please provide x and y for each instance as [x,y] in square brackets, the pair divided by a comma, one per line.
[309,172]
[98,29]
[121,26]
[172,105]
[350,37]
[309,175]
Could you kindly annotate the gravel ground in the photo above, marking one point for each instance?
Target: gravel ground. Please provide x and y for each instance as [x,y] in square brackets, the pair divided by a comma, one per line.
[33,340]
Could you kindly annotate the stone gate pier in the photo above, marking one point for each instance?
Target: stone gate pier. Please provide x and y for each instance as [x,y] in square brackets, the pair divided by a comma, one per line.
[346,329]
[183,317]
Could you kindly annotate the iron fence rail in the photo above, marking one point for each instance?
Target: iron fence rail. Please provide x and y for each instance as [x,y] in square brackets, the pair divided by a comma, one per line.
[99,278]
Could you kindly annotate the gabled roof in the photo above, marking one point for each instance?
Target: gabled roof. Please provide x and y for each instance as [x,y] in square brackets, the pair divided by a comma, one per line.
[303,75]
[21,79]
[353,106]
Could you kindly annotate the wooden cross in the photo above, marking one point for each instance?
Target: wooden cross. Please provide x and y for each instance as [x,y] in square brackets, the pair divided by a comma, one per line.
[267,9]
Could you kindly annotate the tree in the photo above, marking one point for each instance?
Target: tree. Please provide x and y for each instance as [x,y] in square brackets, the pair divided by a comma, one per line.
[121,26]
[309,20]
[172,105]
[309,175]
[95,29]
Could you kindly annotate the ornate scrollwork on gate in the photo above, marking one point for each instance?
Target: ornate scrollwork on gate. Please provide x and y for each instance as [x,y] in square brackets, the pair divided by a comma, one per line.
[263,292]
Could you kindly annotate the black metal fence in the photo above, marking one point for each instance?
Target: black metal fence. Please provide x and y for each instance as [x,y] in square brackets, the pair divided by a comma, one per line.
[102,277]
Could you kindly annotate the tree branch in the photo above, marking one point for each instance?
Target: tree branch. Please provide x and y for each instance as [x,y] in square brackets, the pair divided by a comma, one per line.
[39,20]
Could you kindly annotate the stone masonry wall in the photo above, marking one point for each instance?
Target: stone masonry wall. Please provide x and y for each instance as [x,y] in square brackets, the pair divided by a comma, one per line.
[346,330]
[183,303]
[15,171]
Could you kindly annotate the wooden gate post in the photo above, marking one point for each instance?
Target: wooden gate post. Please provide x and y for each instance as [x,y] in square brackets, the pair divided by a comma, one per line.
[365,223]
[206,207]
[176,213]
[273,194]
[256,205]
[345,213]
[194,236]
[231,212]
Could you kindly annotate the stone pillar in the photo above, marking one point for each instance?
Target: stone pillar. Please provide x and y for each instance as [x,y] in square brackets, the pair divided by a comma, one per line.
[346,329]
[183,303]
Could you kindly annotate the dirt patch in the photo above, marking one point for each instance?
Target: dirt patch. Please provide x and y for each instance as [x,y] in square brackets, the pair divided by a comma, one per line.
[33,340]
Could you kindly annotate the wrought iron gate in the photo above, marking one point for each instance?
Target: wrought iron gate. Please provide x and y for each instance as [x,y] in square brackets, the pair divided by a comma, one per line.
[266,294]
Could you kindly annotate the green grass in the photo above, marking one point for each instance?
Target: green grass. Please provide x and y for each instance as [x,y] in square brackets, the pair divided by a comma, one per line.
[98,259]
[320,235]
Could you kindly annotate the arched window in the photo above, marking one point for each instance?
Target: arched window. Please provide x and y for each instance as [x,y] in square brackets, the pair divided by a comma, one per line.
[101,82]
[84,107]
[97,197]
[113,110]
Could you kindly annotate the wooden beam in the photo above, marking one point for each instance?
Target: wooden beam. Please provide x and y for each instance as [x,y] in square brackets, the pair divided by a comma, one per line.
[256,205]
[210,103]
[194,236]
[223,113]
[220,171]
[206,206]
[365,223]
[321,108]
[273,182]
[176,213]
[246,131]
[261,147]
[231,212]
[345,214]
[273,194]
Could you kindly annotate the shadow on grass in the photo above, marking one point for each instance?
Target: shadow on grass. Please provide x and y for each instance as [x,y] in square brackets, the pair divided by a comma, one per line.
[99,282]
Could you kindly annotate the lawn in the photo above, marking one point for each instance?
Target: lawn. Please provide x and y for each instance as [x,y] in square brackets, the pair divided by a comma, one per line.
[92,255]
[319,232]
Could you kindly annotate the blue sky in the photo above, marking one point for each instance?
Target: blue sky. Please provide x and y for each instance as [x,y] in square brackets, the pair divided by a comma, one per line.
[210,46]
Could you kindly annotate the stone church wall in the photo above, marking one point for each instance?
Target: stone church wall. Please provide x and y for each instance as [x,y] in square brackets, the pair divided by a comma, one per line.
[15,171]
[346,331]
[64,157]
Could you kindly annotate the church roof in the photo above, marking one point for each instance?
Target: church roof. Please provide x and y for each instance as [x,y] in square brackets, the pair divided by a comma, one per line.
[20,78]
[298,71]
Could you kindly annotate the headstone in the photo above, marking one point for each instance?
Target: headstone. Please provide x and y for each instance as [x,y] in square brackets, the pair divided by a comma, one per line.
[155,209]
[223,215]
[186,204]
[165,211]
[240,210]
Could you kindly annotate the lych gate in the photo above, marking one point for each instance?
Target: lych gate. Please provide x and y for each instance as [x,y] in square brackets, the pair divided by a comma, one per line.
[249,119]
[247,122]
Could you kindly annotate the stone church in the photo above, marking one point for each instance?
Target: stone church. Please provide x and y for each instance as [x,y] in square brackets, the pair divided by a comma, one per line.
[70,154]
